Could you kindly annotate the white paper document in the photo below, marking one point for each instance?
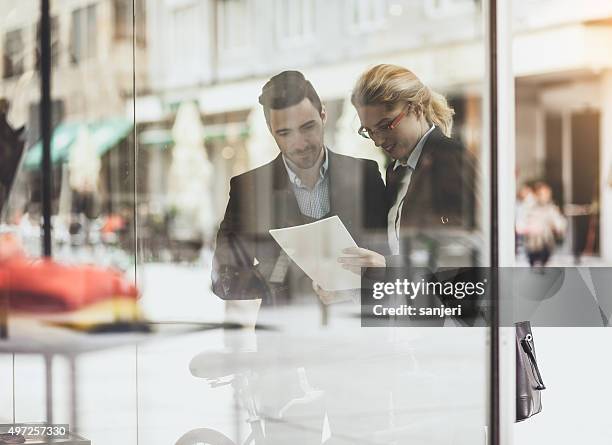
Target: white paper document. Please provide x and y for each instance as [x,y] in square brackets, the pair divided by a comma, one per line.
[316,247]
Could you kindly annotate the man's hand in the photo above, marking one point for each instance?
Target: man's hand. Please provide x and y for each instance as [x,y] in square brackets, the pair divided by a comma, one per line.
[360,257]
[329,297]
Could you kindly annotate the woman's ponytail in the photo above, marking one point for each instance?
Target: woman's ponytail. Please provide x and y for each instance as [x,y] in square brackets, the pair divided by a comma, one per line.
[439,113]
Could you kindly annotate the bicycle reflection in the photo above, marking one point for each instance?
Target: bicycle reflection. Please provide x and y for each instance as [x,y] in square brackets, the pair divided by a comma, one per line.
[321,389]
[254,385]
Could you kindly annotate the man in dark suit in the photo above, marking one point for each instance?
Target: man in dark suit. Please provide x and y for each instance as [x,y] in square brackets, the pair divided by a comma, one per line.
[306,182]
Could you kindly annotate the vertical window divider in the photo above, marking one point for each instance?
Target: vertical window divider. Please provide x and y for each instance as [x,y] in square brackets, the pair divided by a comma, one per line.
[45,124]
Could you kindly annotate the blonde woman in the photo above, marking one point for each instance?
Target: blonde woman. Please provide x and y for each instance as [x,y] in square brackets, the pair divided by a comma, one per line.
[430,179]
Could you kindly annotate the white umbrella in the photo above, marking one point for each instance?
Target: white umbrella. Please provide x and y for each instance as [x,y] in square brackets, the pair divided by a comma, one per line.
[84,163]
[189,194]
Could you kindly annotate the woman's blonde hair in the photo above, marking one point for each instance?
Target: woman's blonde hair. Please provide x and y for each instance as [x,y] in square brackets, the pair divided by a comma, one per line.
[391,85]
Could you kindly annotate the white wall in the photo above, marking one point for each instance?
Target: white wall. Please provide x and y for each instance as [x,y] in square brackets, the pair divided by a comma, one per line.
[576,402]
[179,45]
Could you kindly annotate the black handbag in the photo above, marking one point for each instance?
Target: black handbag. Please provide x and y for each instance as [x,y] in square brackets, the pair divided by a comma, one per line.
[529,382]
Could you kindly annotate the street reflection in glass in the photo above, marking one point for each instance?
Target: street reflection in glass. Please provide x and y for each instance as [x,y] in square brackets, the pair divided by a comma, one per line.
[229,176]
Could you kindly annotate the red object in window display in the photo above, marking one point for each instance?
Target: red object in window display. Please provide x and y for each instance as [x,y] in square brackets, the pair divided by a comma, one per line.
[46,286]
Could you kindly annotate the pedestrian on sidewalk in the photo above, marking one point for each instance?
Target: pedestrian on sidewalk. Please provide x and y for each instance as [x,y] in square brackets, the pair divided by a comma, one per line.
[545,226]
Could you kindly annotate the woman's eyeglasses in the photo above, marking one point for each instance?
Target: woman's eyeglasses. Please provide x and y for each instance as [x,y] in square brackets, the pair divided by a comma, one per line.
[369,134]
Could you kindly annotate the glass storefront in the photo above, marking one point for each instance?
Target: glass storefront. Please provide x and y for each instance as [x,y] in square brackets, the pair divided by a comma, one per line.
[188,136]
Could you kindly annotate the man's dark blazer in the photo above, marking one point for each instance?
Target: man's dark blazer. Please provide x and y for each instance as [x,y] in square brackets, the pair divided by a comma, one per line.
[246,261]
[441,198]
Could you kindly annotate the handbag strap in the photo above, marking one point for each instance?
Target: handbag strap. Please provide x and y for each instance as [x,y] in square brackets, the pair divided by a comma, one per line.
[527,346]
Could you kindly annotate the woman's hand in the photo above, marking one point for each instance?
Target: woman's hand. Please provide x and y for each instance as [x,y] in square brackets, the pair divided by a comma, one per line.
[328,297]
[360,257]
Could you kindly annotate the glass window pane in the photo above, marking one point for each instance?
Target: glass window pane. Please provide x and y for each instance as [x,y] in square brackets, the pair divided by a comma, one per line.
[213,182]
[564,194]
[53,311]
[176,150]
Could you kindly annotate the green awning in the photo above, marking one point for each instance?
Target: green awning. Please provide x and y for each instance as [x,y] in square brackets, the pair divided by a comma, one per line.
[161,138]
[108,133]
[63,137]
[104,134]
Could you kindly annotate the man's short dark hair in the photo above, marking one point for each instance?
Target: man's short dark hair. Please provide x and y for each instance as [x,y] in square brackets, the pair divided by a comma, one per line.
[287,89]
